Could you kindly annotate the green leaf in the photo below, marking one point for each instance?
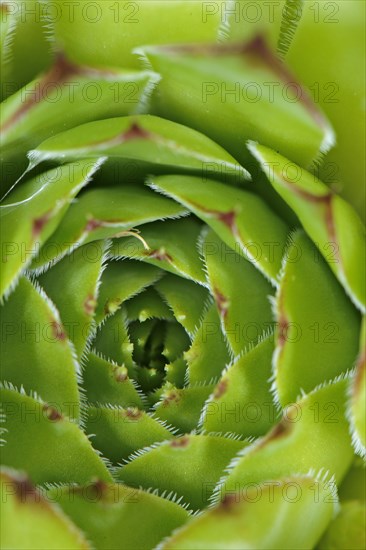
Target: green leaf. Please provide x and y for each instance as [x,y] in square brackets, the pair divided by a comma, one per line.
[313,434]
[171,247]
[185,298]
[317,326]
[353,486]
[347,529]
[237,92]
[241,402]
[31,521]
[40,204]
[241,219]
[209,354]
[204,458]
[333,29]
[176,341]
[25,49]
[121,281]
[357,402]
[104,213]
[147,305]
[182,407]
[122,26]
[68,456]
[107,382]
[72,284]
[36,353]
[66,96]
[266,516]
[119,432]
[330,222]
[241,294]
[176,372]
[116,517]
[154,143]
[112,340]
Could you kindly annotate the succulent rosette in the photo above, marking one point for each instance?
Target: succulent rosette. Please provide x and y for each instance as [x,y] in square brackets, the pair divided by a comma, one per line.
[183,291]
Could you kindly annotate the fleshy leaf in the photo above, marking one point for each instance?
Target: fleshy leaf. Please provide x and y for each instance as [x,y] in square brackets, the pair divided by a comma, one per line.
[120,281]
[120,432]
[241,294]
[314,429]
[64,97]
[72,284]
[185,298]
[148,305]
[357,402]
[43,524]
[332,28]
[317,326]
[106,382]
[204,458]
[113,341]
[25,48]
[116,517]
[330,222]
[36,353]
[171,247]
[103,213]
[209,354]
[68,456]
[241,402]
[40,204]
[182,407]
[241,219]
[260,517]
[347,530]
[237,92]
[155,143]
[123,26]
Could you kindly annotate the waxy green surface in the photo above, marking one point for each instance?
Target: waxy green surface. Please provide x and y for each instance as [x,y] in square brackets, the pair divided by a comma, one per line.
[150,332]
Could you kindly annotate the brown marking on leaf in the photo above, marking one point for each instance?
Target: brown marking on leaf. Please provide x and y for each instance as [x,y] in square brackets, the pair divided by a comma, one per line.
[136,132]
[60,72]
[58,331]
[283,325]
[180,442]
[227,218]
[222,302]
[279,430]
[133,413]
[282,429]
[159,254]
[51,413]
[90,305]
[173,396]
[259,53]
[120,374]
[25,491]
[228,502]
[324,200]
[220,389]
[5,9]
[94,491]
[92,224]
[39,223]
